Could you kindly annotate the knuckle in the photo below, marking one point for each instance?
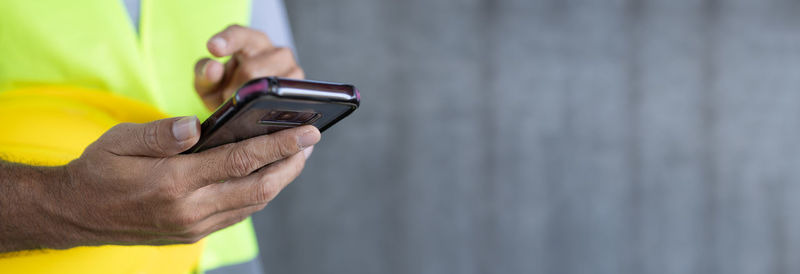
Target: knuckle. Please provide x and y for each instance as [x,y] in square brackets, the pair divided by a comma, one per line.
[239,161]
[168,185]
[287,148]
[265,195]
[169,193]
[277,151]
[149,138]
[266,191]
[250,70]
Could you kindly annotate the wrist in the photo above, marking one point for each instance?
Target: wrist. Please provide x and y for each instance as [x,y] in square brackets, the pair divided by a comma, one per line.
[32,214]
[59,208]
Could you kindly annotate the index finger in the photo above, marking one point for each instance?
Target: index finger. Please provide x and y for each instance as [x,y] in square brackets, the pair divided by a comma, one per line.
[238,39]
[239,159]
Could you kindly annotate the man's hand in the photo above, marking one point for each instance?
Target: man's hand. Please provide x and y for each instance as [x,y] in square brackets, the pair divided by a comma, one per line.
[252,56]
[132,186]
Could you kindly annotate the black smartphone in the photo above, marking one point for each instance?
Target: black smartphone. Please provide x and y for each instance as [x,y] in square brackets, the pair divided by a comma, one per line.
[266,105]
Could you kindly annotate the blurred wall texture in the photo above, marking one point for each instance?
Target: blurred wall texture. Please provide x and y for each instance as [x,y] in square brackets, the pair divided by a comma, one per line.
[549,136]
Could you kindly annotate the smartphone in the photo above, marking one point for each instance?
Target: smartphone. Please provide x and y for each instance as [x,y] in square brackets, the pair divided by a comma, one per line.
[266,105]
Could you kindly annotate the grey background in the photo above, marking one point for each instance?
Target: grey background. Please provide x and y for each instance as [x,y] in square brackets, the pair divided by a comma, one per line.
[560,136]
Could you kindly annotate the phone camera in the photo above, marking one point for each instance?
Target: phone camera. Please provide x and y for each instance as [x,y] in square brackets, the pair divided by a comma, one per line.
[288,117]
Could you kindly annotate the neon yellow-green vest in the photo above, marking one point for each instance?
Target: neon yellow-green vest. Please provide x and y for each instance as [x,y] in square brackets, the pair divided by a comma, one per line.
[69,70]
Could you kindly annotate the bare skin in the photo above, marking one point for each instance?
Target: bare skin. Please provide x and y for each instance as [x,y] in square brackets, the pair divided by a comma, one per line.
[132,186]
[252,55]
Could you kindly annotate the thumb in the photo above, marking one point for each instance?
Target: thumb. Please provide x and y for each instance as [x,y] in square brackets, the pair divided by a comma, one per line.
[161,138]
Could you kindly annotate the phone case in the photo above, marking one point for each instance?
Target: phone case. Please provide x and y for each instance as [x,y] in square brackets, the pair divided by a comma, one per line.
[266,105]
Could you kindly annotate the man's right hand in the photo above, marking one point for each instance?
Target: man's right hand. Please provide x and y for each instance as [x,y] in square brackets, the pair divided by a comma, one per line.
[132,186]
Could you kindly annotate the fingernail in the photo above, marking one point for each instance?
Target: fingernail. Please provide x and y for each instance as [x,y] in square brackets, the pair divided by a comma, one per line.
[218,43]
[308,138]
[203,71]
[308,151]
[185,128]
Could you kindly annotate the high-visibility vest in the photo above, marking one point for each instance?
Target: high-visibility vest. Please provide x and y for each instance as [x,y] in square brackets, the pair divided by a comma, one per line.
[69,70]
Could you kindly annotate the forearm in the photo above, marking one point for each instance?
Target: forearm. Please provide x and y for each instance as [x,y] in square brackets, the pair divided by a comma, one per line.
[26,218]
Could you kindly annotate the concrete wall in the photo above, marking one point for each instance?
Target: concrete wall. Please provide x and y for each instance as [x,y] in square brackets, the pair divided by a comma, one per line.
[532,136]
